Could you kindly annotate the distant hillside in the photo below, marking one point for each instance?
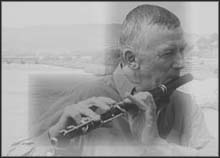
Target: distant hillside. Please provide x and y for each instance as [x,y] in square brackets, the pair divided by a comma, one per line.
[59,39]
[82,39]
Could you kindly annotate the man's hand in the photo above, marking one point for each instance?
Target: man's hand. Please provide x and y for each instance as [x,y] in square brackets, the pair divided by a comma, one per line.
[144,123]
[92,108]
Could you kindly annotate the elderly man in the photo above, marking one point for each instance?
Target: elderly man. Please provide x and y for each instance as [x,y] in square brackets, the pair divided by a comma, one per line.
[151,52]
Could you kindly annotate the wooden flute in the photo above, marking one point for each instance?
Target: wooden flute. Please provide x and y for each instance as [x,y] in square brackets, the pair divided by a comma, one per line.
[160,93]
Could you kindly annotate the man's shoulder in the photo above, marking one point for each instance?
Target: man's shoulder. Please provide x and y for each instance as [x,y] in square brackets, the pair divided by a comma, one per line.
[181,100]
[177,94]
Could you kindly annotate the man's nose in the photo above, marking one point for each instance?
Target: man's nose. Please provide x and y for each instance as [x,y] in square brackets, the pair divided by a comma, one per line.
[178,61]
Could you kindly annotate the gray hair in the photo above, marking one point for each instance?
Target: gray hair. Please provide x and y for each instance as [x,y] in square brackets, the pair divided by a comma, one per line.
[142,16]
[133,26]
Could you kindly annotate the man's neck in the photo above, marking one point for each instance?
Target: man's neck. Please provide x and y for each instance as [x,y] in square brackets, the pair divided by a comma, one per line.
[123,85]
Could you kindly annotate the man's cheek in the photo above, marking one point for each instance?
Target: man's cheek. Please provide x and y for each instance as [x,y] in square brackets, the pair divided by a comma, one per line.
[160,72]
[162,67]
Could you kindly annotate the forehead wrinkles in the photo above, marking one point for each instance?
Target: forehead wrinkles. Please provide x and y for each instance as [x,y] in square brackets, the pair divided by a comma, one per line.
[152,36]
[175,43]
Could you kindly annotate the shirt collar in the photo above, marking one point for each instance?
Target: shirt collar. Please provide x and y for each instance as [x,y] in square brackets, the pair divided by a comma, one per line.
[123,85]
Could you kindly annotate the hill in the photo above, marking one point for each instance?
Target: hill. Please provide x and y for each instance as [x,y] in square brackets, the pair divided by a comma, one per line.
[59,39]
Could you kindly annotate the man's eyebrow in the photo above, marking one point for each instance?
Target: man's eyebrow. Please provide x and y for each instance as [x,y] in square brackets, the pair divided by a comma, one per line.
[167,46]
[175,45]
[172,46]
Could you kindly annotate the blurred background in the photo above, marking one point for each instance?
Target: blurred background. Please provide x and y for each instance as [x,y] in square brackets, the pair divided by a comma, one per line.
[77,37]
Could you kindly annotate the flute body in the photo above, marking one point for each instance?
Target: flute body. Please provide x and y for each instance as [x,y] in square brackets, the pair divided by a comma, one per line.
[161,93]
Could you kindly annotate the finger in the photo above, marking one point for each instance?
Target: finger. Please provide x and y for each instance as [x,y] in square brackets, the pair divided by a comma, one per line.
[95,105]
[93,100]
[100,103]
[77,118]
[90,114]
[61,122]
[141,105]
[108,101]
[150,100]
[63,119]
[86,103]
[74,113]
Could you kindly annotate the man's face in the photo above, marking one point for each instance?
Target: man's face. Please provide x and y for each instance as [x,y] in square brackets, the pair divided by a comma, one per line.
[161,56]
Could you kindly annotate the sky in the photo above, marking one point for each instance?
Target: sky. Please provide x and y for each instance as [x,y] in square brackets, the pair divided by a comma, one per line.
[196,17]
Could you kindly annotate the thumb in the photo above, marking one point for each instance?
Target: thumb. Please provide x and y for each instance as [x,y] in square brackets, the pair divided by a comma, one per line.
[140,104]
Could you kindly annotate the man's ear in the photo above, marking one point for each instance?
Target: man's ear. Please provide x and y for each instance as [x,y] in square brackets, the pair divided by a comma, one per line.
[131,59]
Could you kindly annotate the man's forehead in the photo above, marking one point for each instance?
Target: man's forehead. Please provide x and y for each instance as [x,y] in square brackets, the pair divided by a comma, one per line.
[174,43]
[156,36]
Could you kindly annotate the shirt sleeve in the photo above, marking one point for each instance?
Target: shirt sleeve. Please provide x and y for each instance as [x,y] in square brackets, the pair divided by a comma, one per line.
[31,147]
[41,146]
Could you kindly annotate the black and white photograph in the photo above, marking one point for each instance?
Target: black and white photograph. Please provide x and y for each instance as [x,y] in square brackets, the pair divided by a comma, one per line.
[104,78]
